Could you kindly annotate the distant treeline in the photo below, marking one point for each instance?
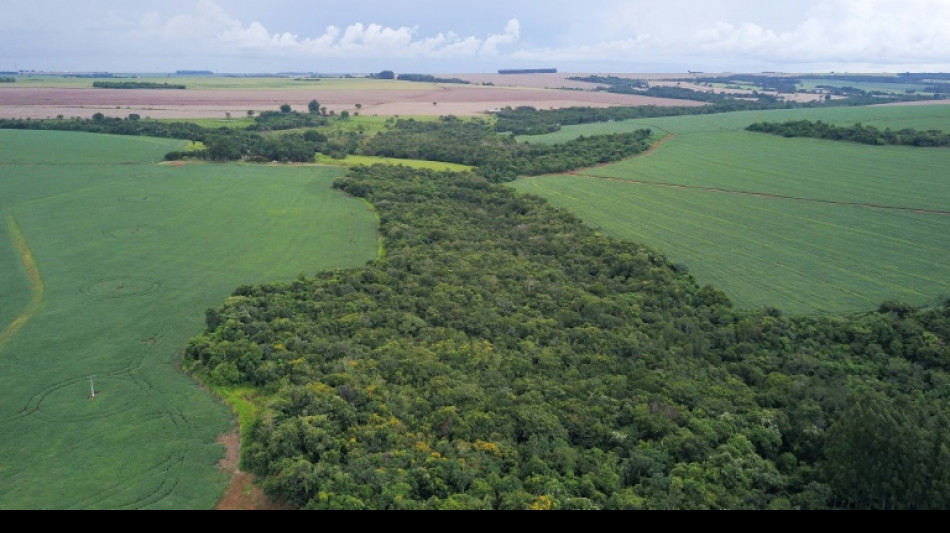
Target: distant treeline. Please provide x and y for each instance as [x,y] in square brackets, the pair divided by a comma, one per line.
[527,120]
[498,158]
[429,78]
[221,144]
[779,84]
[858,133]
[528,71]
[7,80]
[134,85]
[274,120]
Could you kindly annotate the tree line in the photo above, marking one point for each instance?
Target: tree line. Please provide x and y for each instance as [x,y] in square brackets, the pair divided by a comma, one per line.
[135,85]
[430,79]
[498,158]
[858,133]
[503,355]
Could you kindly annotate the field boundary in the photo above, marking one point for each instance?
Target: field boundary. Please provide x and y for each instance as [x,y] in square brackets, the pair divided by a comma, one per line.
[720,190]
[36,282]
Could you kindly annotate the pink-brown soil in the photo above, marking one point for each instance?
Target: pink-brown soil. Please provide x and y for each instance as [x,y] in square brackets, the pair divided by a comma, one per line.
[447,99]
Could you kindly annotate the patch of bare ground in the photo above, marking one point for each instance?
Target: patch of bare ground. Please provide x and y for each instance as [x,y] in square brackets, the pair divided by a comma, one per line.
[242,494]
[919,102]
[427,99]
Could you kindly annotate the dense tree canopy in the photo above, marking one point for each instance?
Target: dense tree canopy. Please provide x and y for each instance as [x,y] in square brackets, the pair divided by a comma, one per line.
[502,355]
[854,133]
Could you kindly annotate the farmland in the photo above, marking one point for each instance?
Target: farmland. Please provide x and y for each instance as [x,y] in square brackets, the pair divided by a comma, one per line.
[499,353]
[128,254]
[215,97]
[804,225]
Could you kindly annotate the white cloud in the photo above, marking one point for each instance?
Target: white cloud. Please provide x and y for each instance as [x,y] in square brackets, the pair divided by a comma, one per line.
[831,33]
[212,29]
[847,30]
[512,31]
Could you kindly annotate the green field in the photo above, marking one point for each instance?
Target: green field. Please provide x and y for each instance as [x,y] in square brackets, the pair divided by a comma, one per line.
[804,225]
[896,117]
[129,254]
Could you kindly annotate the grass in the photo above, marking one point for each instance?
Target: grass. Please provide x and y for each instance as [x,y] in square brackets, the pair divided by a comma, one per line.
[786,223]
[353,160]
[921,117]
[131,253]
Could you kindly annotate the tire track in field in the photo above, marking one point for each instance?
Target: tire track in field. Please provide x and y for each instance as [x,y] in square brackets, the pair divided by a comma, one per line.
[36,282]
[919,210]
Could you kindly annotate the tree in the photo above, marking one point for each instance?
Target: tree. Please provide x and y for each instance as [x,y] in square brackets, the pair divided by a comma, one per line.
[285,108]
[250,112]
[313,106]
[98,116]
[359,106]
[344,115]
[386,75]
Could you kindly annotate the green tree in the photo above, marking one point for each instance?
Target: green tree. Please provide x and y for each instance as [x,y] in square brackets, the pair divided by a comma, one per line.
[285,108]
[313,106]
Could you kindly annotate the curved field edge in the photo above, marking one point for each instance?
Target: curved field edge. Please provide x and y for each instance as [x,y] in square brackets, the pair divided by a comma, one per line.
[125,289]
[804,225]
[800,257]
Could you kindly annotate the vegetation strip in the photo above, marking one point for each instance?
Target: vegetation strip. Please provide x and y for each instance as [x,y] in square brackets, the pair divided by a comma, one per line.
[36,282]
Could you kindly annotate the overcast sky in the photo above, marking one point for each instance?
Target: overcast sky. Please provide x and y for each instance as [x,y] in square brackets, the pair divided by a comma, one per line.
[471,36]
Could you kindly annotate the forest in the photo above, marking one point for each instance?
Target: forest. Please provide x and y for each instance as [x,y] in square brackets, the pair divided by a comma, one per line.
[500,354]
[855,133]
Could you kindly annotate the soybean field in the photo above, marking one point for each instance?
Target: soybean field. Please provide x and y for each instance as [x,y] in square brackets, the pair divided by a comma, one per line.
[109,258]
[803,225]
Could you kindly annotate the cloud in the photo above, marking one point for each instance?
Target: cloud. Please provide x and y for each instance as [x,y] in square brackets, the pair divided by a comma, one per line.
[212,29]
[875,34]
[866,31]
[512,31]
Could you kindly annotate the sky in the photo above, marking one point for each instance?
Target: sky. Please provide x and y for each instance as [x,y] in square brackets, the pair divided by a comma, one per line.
[482,36]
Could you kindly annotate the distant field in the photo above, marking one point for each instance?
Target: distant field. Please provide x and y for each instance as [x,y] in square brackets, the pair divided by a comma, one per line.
[780,222]
[220,82]
[213,97]
[130,254]
[922,117]
[897,88]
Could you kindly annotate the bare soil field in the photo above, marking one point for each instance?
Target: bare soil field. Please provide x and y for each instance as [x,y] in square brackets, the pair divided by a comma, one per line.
[427,99]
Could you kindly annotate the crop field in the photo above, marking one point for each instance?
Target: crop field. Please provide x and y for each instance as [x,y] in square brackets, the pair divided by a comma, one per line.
[896,117]
[803,225]
[108,261]
[814,83]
